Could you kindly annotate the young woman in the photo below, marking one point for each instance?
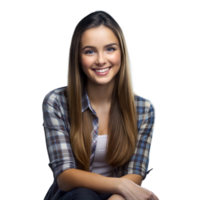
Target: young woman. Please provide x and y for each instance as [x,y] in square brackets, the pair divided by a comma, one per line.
[98,131]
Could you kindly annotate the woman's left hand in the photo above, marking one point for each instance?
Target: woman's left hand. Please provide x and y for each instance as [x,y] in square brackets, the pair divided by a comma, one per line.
[116,197]
[154,194]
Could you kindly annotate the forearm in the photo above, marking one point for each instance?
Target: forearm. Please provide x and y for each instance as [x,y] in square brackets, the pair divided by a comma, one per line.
[73,178]
[116,197]
[134,178]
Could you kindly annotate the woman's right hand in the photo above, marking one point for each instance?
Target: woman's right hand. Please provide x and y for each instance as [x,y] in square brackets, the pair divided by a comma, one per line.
[131,191]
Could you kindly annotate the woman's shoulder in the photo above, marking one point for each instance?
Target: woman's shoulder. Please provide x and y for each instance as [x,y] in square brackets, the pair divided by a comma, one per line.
[142,104]
[55,95]
[145,112]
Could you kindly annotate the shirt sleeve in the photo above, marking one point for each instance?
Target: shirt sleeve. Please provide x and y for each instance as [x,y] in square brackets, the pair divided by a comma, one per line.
[140,159]
[57,137]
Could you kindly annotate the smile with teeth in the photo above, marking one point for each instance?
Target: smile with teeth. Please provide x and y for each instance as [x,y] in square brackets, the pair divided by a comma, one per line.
[102,70]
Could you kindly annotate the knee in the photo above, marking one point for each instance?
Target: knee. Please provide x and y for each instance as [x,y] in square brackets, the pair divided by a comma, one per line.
[80,194]
[87,193]
[83,190]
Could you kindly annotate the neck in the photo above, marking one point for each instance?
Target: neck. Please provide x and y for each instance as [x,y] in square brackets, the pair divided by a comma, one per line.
[100,95]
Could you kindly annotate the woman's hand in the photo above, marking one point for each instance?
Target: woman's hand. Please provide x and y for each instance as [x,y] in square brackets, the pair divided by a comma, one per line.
[116,197]
[131,191]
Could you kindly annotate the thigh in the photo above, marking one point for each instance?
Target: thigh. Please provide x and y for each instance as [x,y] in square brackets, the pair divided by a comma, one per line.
[80,194]
[105,196]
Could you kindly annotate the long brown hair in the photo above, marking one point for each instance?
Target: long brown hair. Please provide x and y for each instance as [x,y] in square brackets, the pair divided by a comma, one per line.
[122,128]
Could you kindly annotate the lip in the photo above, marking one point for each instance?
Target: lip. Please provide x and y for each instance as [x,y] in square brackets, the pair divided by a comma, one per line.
[101,68]
[102,73]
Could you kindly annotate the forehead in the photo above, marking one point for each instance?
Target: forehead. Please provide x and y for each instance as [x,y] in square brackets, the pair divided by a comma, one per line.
[98,36]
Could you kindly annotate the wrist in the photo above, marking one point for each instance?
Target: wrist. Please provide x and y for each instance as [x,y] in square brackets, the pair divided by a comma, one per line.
[118,187]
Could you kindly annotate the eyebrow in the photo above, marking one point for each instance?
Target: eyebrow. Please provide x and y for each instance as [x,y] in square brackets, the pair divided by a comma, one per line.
[94,47]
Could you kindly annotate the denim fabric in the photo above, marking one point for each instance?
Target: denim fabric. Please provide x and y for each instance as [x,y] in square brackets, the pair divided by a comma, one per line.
[84,193]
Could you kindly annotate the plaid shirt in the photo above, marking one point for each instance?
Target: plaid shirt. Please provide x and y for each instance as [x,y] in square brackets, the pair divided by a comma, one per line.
[57,128]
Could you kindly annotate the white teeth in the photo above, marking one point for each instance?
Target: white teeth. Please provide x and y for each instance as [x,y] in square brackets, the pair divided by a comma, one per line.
[103,70]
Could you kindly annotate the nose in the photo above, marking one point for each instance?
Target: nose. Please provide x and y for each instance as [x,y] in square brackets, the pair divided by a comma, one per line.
[100,59]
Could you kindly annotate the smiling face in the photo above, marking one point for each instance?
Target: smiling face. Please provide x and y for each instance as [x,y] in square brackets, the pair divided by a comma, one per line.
[100,50]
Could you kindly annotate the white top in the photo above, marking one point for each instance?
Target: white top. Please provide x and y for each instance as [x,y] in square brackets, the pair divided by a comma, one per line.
[99,164]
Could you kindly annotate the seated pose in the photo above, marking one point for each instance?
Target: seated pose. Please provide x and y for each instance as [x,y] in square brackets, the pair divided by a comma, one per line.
[98,131]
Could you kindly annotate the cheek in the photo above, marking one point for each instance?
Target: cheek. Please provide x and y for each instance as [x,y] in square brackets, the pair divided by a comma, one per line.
[116,58]
[85,68]
[87,62]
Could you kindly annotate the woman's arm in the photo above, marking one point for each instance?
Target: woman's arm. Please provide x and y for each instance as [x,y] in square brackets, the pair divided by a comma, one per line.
[116,197]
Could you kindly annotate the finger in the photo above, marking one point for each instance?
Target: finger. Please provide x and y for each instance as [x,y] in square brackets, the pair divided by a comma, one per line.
[156,197]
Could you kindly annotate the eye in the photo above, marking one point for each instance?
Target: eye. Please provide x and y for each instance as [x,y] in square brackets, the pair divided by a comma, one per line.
[88,52]
[91,51]
[112,48]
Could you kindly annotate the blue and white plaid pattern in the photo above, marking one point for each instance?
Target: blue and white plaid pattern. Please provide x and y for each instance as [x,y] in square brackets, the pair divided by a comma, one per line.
[57,128]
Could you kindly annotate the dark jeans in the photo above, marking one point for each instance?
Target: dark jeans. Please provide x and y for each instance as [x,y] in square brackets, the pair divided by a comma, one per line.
[84,194]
